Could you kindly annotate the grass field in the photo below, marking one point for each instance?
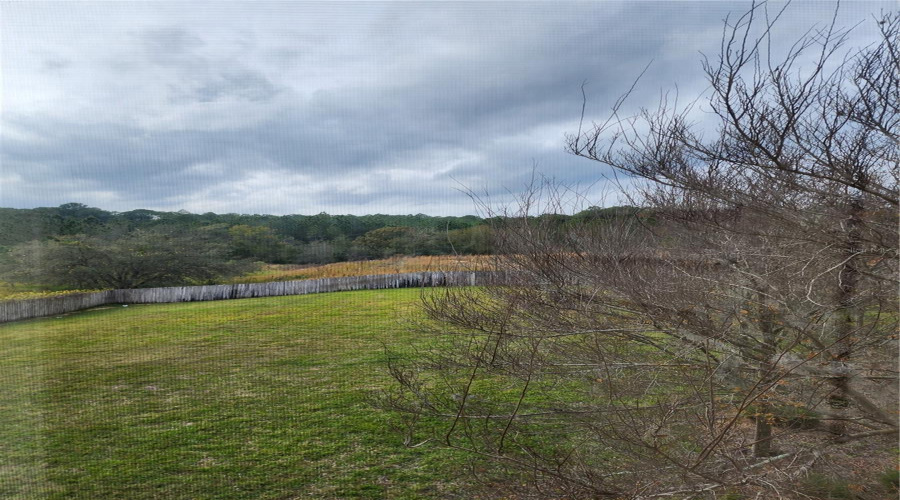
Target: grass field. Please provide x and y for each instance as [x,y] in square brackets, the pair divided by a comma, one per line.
[258,398]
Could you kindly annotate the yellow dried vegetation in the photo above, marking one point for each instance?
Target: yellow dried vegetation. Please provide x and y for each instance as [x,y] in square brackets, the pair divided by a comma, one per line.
[393,265]
[10,292]
[288,272]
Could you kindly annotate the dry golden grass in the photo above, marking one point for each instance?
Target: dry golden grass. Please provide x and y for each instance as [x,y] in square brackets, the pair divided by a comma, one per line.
[393,265]
[11,293]
[19,291]
[288,272]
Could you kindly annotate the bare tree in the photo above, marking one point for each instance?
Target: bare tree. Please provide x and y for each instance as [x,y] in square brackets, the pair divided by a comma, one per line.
[144,258]
[727,337]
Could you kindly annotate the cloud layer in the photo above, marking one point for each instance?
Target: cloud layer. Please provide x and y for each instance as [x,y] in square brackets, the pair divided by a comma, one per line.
[341,107]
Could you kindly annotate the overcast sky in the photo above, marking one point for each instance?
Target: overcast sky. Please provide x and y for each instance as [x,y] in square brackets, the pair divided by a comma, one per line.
[296,107]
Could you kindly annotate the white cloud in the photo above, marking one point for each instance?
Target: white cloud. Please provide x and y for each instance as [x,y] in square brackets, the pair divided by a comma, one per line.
[338,107]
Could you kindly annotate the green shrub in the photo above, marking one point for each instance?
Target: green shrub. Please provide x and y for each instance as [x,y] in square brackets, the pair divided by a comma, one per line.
[828,488]
[890,479]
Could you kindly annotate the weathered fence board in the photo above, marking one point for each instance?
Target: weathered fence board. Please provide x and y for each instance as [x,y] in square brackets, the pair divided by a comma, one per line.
[49,306]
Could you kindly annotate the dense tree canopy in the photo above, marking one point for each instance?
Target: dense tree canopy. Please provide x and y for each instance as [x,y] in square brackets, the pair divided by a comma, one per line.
[288,239]
[143,258]
[267,238]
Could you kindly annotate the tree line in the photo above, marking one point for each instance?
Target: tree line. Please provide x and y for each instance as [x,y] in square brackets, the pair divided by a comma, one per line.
[77,246]
[267,238]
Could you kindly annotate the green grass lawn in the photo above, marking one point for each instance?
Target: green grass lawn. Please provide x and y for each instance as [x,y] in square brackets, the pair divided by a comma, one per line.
[257,398]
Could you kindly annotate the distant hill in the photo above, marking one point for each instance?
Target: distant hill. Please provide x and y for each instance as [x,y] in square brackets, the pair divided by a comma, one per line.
[21,225]
[288,239]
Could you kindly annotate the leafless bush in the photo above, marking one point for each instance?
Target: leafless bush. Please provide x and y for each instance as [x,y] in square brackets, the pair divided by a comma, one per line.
[741,324]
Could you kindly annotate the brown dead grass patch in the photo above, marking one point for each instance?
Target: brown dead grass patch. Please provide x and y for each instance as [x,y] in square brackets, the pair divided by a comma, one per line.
[393,265]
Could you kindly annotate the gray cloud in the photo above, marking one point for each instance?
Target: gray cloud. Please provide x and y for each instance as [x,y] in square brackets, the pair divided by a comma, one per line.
[55,64]
[245,85]
[309,107]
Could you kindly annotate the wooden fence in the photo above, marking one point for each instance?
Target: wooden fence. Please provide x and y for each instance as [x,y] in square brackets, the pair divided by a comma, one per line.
[49,306]
[33,308]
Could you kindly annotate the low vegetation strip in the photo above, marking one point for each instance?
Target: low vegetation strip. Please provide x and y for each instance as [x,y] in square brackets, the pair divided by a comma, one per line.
[33,308]
[392,265]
